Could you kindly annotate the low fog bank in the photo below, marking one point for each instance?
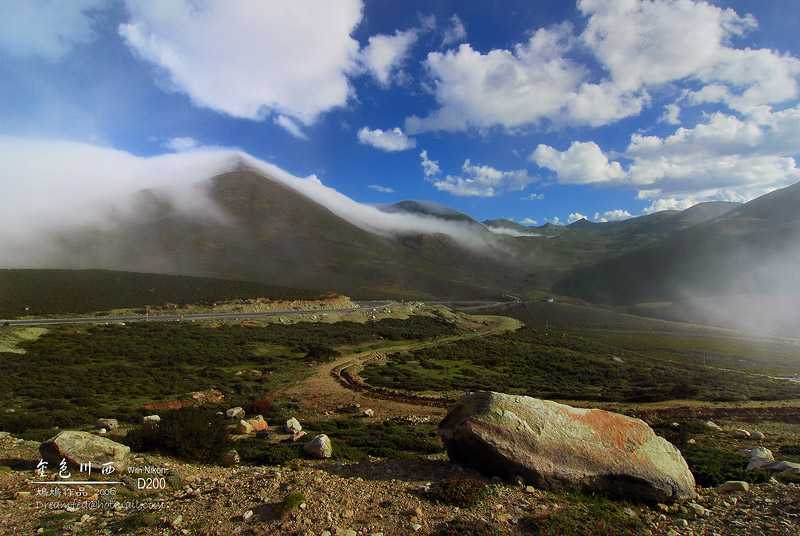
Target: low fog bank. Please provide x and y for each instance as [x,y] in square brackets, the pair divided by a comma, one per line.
[56,188]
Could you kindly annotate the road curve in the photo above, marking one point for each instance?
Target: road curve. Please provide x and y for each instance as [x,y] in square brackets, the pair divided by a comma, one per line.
[183,318]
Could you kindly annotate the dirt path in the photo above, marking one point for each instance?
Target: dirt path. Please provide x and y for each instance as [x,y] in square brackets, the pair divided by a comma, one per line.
[335,385]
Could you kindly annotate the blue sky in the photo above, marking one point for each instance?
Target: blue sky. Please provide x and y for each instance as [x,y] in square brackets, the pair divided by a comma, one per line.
[534,111]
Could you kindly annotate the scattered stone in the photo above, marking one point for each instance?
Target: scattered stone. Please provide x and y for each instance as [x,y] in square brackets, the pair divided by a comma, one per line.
[674,425]
[617,359]
[293,426]
[151,420]
[244,427]
[696,509]
[415,527]
[236,413]
[347,514]
[557,447]
[691,441]
[367,413]
[740,434]
[176,521]
[530,489]
[775,465]
[298,435]
[230,458]
[745,452]
[628,512]
[758,436]
[319,447]
[714,426]
[761,453]
[413,512]
[108,424]
[680,523]
[85,448]
[734,485]
[504,518]
[258,424]
[247,515]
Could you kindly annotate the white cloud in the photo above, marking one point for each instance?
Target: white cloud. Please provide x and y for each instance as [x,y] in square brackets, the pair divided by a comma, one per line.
[669,203]
[182,144]
[251,57]
[389,140]
[532,197]
[47,28]
[612,215]
[381,189]
[48,184]
[483,181]
[430,167]
[506,88]
[455,32]
[654,42]
[582,163]
[575,216]
[384,54]
[290,126]
[528,221]
[671,113]
[555,221]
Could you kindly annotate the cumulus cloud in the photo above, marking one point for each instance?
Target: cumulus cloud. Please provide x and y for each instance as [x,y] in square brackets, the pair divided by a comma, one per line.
[639,45]
[251,58]
[388,140]
[528,221]
[479,181]
[48,28]
[612,215]
[670,115]
[454,32]
[665,41]
[430,167]
[575,216]
[532,197]
[381,189]
[582,163]
[384,54]
[724,158]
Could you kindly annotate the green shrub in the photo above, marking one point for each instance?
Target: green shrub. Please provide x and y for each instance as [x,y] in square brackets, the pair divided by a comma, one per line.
[711,467]
[593,516]
[265,453]
[464,493]
[290,502]
[473,527]
[788,478]
[187,434]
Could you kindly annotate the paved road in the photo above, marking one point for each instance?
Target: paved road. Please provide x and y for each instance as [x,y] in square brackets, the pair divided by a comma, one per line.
[183,318]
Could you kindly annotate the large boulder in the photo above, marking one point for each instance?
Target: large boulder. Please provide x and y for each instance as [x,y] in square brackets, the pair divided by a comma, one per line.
[85,448]
[319,447]
[557,447]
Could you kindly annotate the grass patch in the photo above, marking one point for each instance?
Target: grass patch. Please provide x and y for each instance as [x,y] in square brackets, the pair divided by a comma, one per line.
[464,492]
[589,515]
[711,467]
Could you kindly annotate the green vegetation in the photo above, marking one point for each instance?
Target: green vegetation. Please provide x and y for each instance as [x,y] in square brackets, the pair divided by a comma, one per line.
[352,440]
[71,376]
[551,363]
[87,291]
[187,434]
[587,515]
[464,493]
[711,467]
[290,502]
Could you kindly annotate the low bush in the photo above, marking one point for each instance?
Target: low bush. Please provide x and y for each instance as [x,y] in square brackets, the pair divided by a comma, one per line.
[188,434]
[464,493]
[597,516]
[711,467]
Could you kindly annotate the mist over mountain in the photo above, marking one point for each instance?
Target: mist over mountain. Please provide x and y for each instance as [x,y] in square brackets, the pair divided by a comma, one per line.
[253,223]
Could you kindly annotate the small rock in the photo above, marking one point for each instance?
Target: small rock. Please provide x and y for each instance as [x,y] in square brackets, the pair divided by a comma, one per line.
[367,413]
[740,434]
[530,489]
[758,436]
[761,453]
[108,424]
[293,426]
[151,420]
[244,427]
[734,485]
[674,425]
[691,442]
[628,512]
[696,509]
[235,413]
[415,527]
[413,512]
[680,523]
[298,435]
[504,518]
[230,458]
[258,424]
[745,452]
[714,426]
[319,447]
[247,515]
[347,514]
[177,520]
